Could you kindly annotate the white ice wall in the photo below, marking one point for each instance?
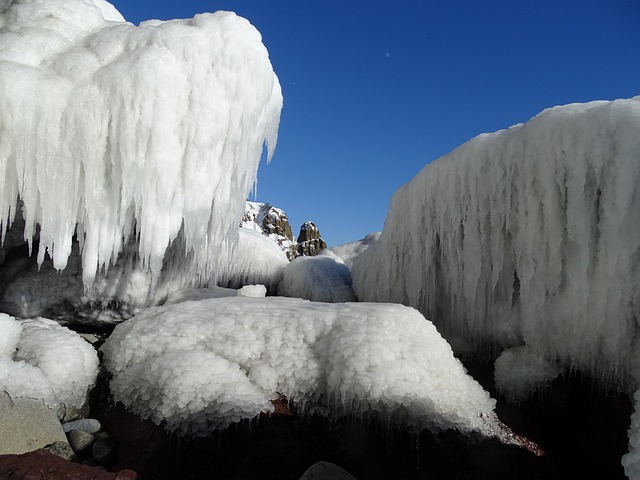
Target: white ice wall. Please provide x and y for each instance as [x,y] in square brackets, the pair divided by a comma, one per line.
[528,236]
[154,130]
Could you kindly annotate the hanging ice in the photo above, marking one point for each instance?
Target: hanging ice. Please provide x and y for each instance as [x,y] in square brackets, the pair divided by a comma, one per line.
[528,236]
[151,132]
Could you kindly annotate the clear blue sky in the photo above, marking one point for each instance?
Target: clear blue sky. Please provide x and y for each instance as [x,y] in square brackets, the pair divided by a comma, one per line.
[374,90]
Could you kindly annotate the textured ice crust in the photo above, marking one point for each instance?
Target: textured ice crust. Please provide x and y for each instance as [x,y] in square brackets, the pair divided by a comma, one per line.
[199,366]
[528,236]
[41,359]
[153,131]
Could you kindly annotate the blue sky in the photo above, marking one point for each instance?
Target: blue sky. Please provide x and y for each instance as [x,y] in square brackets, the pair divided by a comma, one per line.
[375,90]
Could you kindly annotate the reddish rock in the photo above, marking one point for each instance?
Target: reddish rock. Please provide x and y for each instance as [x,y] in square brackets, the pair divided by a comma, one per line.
[42,465]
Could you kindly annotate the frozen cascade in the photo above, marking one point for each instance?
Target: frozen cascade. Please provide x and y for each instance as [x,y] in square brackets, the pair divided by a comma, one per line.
[154,132]
[527,236]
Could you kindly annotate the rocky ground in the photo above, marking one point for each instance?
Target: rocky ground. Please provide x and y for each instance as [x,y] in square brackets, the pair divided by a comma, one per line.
[582,433]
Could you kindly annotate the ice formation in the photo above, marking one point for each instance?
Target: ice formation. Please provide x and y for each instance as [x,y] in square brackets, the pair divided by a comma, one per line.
[528,236]
[199,366]
[323,278]
[41,359]
[154,133]
[257,259]
[349,251]
[519,372]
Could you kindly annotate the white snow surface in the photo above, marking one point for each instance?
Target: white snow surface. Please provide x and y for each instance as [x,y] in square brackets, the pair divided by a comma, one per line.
[349,251]
[527,236]
[154,131]
[41,359]
[199,366]
[257,259]
[321,278]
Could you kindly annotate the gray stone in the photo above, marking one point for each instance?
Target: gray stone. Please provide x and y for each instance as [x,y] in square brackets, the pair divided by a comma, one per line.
[62,450]
[326,471]
[27,424]
[104,449]
[80,441]
[88,425]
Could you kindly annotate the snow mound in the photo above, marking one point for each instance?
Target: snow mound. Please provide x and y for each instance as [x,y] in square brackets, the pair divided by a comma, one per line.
[199,366]
[323,278]
[527,236]
[154,132]
[41,359]
[257,260]
[349,251]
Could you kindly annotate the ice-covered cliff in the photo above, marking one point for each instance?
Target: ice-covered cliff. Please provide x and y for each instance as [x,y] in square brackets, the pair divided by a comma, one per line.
[527,240]
[528,236]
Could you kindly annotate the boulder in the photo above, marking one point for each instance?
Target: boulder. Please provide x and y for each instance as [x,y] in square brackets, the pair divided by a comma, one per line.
[326,471]
[44,465]
[27,424]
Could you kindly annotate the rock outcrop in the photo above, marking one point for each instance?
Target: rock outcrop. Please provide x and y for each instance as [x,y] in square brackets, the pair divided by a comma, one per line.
[272,222]
[310,242]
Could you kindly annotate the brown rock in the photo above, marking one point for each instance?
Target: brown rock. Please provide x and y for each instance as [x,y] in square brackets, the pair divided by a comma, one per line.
[43,465]
[310,242]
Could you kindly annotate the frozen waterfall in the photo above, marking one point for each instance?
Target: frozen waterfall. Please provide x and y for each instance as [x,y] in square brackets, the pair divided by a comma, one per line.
[115,133]
[527,236]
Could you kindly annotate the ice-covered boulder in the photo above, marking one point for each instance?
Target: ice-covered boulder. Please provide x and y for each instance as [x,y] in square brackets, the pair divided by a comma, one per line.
[153,137]
[527,236]
[199,366]
[40,359]
[321,278]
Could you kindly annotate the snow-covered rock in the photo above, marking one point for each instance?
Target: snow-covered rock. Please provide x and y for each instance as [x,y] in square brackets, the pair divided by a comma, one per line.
[154,134]
[199,366]
[321,278]
[272,222]
[41,359]
[256,260]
